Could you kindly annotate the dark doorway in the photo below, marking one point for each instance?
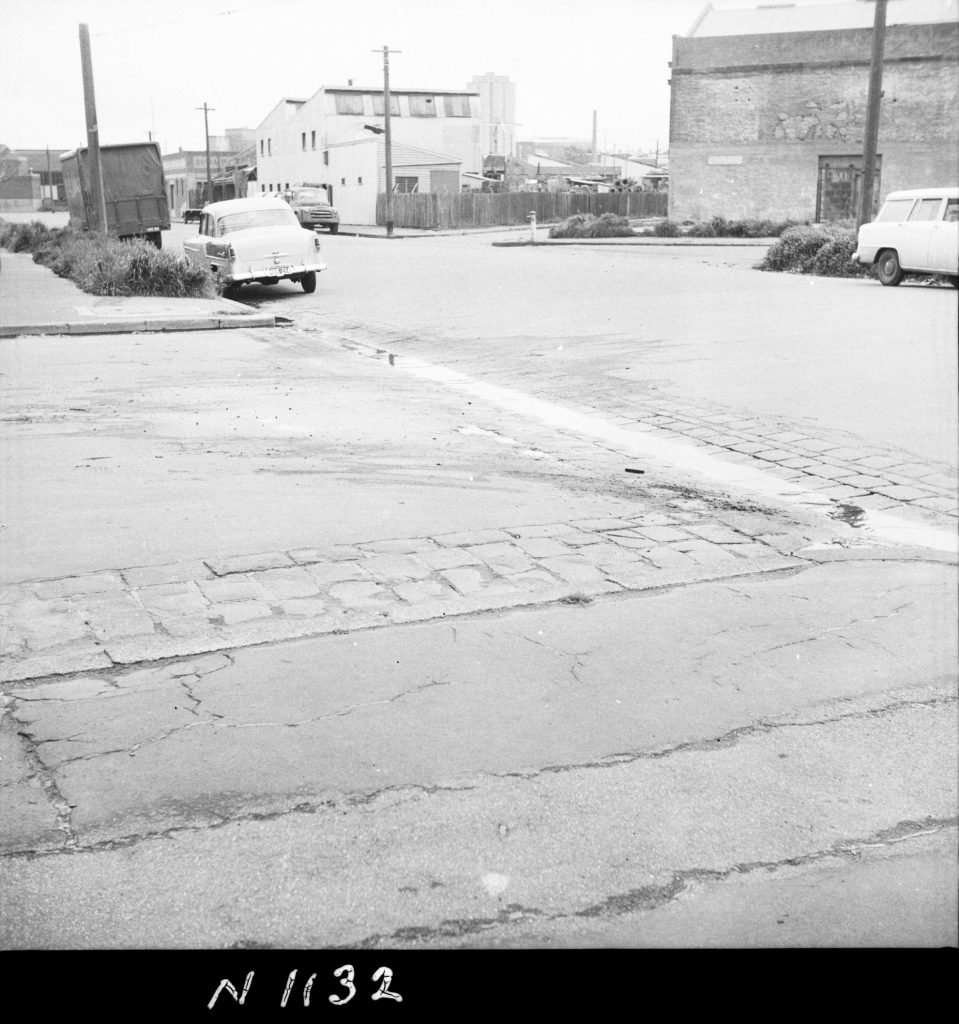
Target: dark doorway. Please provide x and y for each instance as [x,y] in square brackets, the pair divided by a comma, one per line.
[840,186]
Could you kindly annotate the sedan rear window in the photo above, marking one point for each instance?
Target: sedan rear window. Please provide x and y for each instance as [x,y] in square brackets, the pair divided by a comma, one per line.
[895,209]
[254,219]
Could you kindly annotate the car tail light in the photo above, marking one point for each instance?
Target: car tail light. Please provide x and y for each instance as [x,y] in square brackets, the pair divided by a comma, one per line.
[316,242]
[221,250]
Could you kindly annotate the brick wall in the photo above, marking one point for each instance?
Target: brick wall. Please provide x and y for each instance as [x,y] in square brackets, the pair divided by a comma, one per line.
[752,115]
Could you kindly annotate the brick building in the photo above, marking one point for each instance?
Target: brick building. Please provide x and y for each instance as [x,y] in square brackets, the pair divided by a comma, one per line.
[768,108]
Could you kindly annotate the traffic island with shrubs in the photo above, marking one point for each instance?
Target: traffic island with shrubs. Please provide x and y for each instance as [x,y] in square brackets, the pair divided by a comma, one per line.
[585,225]
[101,265]
[818,249]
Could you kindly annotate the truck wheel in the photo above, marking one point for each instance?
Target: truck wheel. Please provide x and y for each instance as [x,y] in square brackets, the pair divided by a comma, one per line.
[155,238]
[309,282]
[888,268]
[334,228]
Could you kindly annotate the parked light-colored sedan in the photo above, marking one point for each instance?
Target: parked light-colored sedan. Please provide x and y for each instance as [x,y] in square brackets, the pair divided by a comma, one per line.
[916,232]
[255,240]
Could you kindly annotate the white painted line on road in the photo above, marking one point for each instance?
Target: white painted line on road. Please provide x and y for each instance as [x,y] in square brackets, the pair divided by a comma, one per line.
[883,526]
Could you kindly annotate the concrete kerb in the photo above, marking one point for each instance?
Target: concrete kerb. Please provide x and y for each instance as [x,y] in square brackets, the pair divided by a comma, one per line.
[36,302]
[738,243]
[137,326]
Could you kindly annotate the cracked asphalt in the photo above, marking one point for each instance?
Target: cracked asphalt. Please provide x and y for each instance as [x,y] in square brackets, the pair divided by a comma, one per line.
[321,654]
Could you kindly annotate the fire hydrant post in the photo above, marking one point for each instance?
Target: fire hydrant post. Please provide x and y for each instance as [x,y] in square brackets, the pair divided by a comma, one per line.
[532,225]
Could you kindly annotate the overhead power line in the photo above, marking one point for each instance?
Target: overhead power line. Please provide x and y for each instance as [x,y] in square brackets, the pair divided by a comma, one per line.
[195,17]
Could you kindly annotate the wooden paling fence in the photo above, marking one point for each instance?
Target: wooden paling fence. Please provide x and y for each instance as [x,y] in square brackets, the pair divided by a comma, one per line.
[440,210]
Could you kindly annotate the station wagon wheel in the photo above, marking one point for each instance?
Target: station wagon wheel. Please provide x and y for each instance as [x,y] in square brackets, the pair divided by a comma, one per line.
[308,281]
[888,268]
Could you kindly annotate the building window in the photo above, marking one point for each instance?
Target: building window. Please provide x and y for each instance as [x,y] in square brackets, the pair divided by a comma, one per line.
[269,147]
[457,106]
[303,141]
[312,140]
[422,106]
[379,107]
[261,147]
[342,181]
[326,158]
[349,102]
[406,185]
[359,181]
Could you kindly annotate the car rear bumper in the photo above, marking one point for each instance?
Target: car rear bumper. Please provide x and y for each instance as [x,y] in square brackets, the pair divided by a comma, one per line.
[273,272]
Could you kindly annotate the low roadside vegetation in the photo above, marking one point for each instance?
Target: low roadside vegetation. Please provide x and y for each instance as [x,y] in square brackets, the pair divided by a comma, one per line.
[585,225]
[106,266]
[718,227]
[819,249]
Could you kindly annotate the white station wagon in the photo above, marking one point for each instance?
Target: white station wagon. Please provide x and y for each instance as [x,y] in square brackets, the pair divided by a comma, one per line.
[916,232]
[255,240]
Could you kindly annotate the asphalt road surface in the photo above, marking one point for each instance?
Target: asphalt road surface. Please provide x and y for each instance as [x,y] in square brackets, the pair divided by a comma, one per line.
[505,597]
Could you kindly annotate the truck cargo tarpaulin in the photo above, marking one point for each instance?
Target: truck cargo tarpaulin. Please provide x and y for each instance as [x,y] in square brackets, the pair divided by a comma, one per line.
[134,190]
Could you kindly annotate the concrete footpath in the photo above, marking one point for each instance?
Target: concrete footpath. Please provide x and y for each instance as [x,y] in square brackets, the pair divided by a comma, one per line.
[33,300]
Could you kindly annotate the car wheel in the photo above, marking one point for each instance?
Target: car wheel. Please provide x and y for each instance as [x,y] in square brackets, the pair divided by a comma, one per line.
[334,228]
[309,282]
[888,268]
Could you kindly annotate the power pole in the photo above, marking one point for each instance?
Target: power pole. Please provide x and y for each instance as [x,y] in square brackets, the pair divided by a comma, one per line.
[872,115]
[93,135]
[387,139]
[208,192]
[49,180]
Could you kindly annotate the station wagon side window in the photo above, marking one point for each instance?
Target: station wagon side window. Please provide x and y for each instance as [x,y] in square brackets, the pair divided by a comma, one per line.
[895,209]
[927,209]
[952,210]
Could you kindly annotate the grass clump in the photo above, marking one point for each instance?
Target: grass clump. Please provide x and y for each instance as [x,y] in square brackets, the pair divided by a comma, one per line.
[815,249]
[584,225]
[101,265]
[720,227]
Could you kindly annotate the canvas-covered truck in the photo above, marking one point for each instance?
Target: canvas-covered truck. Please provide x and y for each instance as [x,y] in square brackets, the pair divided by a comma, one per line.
[134,190]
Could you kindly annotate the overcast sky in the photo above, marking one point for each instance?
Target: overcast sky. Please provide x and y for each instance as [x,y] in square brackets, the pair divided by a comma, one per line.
[155,61]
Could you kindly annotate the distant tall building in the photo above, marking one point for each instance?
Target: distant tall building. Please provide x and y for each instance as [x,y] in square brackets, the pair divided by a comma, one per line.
[497,113]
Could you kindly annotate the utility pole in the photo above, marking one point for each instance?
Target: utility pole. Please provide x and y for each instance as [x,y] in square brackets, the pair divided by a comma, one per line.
[387,139]
[872,115]
[206,128]
[93,135]
[49,181]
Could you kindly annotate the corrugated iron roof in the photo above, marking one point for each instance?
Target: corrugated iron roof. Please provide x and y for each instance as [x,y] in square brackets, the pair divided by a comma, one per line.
[817,17]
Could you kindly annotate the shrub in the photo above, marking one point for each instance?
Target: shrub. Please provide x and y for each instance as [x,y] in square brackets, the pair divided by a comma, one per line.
[102,265]
[815,249]
[584,225]
[720,227]
[666,229]
[572,227]
[834,259]
[796,249]
[23,237]
[609,225]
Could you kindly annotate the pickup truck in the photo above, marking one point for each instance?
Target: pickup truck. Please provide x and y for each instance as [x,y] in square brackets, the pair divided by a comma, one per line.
[134,190]
[311,204]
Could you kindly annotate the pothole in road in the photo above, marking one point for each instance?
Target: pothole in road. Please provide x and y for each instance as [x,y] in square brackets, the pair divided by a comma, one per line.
[851,515]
